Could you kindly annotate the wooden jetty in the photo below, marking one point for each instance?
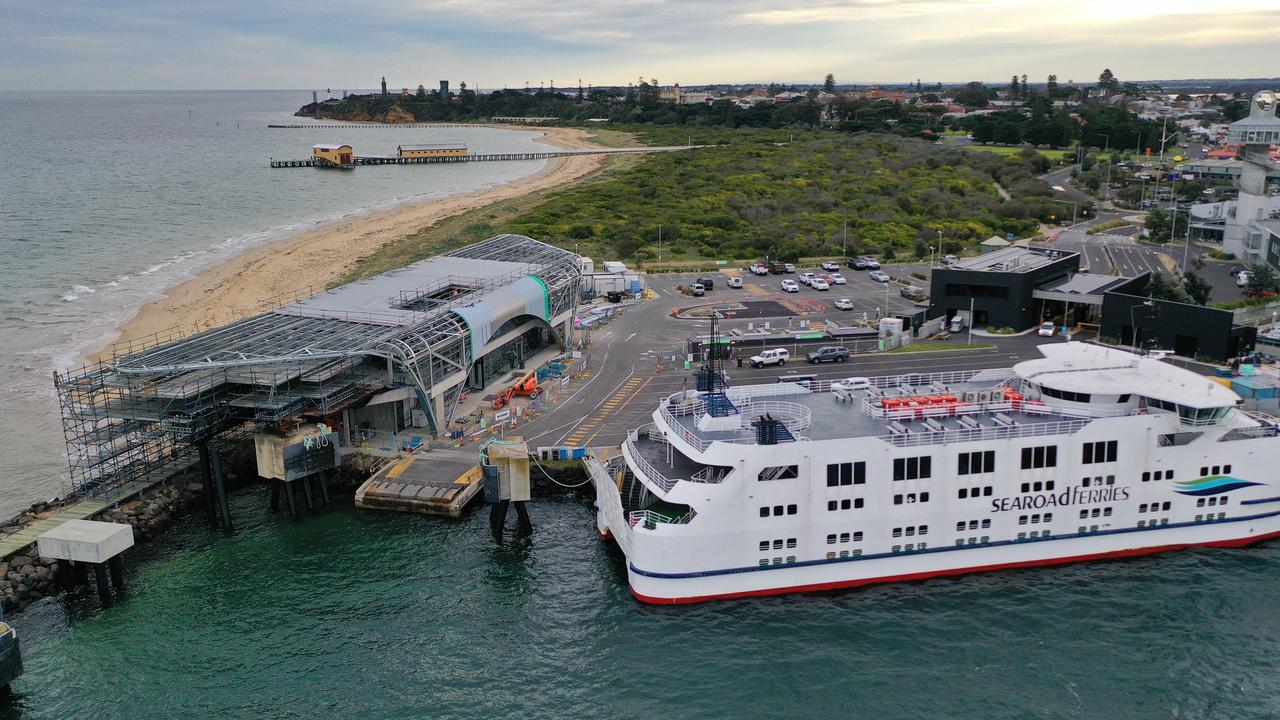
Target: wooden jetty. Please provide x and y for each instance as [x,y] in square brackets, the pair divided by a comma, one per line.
[438,482]
[486,157]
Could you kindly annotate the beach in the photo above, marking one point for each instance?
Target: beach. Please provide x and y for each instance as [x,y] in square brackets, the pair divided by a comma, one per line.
[314,260]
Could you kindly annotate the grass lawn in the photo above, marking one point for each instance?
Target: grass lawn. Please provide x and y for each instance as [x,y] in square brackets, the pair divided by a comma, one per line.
[1005,150]
[932,346]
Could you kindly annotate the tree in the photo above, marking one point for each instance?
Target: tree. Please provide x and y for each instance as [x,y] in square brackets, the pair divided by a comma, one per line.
[1023,86]
[421,94]
[1013,88]
[1164,288]
[1262,278]
[1107,80]
[1051,88]
[974,94]
[829,85]
[1198,288]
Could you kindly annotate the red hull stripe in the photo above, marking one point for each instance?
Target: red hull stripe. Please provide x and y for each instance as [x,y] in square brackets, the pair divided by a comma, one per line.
[841,584]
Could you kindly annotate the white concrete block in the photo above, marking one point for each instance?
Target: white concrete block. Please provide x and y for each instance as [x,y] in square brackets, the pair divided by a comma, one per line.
[86,541]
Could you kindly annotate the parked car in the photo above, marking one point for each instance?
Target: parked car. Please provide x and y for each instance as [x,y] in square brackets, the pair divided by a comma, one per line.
[807,277]
[872,263]
[836,278]
[878,276]
[790,285]
[819,284]
[858,263]
[830,265]
[911,292]
[948,259]
[698,290]
[850,384]
[1242,278]
[777,268]
[844,304]
[788,267]
[1046,329]
[830,353]
[734,282]
[771,357]
[707,283]
[759,269]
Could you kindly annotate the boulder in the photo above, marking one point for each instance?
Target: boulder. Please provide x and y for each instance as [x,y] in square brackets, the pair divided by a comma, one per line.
[19,560]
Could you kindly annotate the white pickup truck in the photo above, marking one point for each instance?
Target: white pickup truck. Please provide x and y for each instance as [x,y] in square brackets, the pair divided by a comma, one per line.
[771,357]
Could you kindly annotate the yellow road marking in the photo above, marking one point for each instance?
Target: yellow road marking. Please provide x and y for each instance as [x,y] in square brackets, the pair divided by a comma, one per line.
[634,395]
[398,469]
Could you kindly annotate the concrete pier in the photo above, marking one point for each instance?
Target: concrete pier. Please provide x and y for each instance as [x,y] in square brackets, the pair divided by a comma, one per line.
[89,541]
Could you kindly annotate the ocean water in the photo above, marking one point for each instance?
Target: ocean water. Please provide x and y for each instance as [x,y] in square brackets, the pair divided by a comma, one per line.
[107,199]
[381,615]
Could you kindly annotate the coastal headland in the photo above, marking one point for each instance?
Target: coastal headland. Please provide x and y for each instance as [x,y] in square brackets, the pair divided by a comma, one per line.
[317,259]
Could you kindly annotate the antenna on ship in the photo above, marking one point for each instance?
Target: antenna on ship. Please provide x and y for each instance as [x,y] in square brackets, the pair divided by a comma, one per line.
[710,378]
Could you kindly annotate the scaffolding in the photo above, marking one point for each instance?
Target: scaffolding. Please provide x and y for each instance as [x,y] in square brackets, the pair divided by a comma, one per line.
[152,402]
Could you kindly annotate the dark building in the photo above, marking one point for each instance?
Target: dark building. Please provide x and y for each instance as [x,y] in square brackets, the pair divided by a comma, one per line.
[444,91]
[1000,285]
[1188,330]
[384,87]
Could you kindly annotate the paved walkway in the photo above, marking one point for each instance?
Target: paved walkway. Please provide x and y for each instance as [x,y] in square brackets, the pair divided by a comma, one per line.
[15,543]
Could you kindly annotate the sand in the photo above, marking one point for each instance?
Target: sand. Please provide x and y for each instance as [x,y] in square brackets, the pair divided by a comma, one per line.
[313,261]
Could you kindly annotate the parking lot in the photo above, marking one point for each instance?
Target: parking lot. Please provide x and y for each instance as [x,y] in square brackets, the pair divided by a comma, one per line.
[870,299]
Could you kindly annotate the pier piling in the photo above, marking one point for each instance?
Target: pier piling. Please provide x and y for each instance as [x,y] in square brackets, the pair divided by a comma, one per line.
[220,485]
[275,495]
[116,566]
[324,488]
[293,505]
[306,491]
[206,476]
[100,576]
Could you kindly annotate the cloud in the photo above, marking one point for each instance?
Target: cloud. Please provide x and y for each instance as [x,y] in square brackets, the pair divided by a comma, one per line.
[176,44]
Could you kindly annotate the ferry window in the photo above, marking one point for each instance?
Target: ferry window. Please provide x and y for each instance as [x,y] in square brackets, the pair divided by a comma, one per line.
[780,472]
[1106,512]
[1217,470]
[791,542]
[1142,508]
[963,493]
[1204,470]
[912,468]
[845,504]
[924,497]
[1100,451]
[1146,476]
[857,503]
[897,499]
[831,539]
[1167,504]
[1026,487]
[831,504]
[1158,475]
[1041,456]
[1048,485]
[960,526]
[1199,502]
[911,531]
[1168,474]
[844,537]
[777,509]
[764,512]
[924,530]
[846,474]
[857,536]
[986,491]
[764,545]
[972,463]
[792,509]
[897,532]
[1226,469]
[777,544]
[1048,517]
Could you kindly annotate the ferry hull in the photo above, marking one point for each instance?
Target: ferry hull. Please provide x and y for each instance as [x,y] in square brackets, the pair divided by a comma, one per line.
[902,568]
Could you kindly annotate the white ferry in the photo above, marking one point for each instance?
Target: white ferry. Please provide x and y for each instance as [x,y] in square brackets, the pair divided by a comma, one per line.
[1086,453]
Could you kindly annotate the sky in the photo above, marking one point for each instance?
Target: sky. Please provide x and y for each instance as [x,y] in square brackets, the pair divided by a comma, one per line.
[351,44]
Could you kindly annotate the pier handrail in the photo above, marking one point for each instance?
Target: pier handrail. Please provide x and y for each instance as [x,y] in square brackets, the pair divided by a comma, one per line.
[1001,432]
[638,517]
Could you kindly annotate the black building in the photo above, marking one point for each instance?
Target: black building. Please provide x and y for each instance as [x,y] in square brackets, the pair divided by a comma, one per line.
[1188,330]
[999,285]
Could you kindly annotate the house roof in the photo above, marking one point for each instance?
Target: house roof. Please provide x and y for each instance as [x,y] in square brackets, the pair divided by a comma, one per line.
[326,146]
[435,146]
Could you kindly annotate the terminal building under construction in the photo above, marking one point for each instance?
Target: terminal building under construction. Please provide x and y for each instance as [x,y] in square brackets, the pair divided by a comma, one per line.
[384,355]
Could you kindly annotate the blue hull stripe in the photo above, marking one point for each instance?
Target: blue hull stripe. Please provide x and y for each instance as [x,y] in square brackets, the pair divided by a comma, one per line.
[956,548]
[1260,501]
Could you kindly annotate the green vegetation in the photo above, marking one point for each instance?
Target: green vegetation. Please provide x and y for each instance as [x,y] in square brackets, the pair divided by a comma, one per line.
[1015,150]
[1244,302]
[938,346]
[1000,331]
[790,200]
[1108,225]
[1219,255]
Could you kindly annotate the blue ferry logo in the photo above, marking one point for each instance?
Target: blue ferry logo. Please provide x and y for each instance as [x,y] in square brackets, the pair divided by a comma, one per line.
[1213,485]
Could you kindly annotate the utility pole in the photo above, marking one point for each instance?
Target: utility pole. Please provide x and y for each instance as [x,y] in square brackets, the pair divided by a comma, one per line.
[844,240]
[659,243]
[970,341]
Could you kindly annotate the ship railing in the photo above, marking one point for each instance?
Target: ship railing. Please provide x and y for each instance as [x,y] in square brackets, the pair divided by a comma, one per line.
[638,462]
[871,406]
[651,519]
[942,437]
[794,416]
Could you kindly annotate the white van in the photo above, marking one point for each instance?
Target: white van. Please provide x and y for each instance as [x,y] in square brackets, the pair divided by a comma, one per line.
[771,357]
